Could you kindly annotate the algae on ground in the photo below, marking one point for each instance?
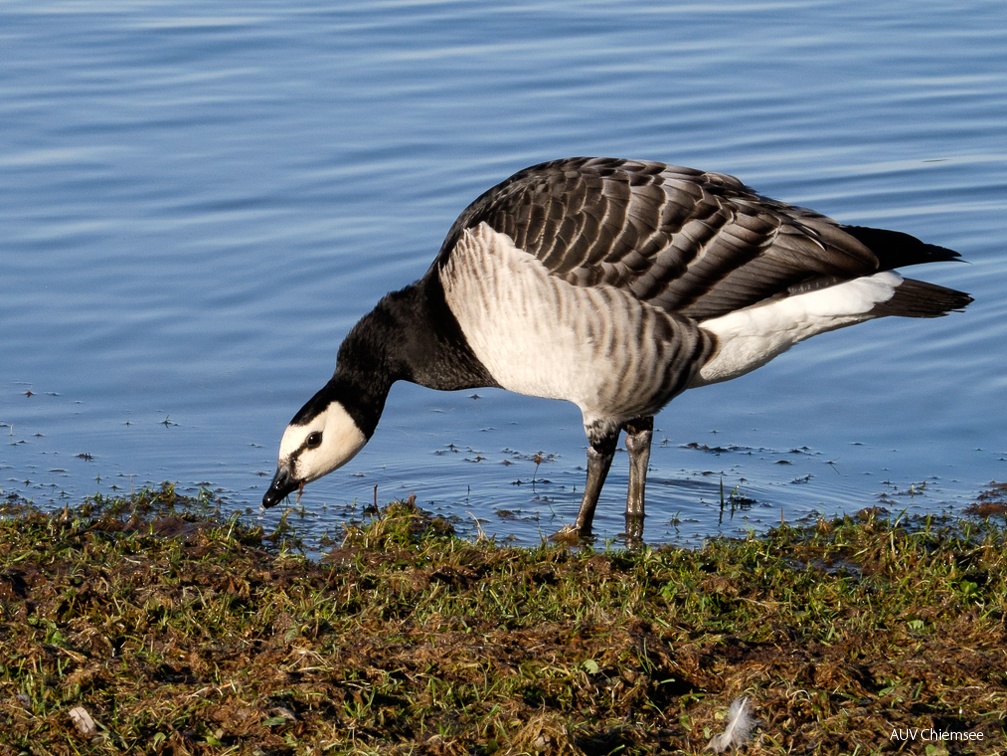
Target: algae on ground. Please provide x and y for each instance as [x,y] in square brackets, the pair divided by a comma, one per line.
[178,632]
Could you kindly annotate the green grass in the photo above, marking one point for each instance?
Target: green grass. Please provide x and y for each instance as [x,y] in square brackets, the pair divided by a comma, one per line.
[180,632]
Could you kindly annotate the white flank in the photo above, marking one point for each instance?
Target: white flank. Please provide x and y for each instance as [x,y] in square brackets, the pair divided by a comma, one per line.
[751,337]
[536,333]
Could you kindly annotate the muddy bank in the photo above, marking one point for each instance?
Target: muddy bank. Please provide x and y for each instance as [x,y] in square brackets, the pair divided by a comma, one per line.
[147,624]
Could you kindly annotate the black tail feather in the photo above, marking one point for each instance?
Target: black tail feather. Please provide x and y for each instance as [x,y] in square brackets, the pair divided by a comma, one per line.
[919,299]
[912,299]
[895,249]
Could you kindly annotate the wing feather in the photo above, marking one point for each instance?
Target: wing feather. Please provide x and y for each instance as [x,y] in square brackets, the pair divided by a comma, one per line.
[702,244]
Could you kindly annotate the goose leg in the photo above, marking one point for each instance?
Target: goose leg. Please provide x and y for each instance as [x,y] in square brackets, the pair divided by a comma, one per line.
[600,451]
[639,433]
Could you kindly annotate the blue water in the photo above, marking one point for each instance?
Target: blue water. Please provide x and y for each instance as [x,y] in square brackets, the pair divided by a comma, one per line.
[198,200]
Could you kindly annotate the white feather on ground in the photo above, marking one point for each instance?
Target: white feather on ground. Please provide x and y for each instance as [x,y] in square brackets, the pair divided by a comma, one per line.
[739,728]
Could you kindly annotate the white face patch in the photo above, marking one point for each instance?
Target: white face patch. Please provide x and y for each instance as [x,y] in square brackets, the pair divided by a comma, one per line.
[328,441]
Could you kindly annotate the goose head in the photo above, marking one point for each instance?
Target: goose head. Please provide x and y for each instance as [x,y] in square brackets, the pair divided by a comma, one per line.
[320,439]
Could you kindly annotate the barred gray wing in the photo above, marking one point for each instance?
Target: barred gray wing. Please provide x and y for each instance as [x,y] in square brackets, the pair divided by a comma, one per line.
[698,243]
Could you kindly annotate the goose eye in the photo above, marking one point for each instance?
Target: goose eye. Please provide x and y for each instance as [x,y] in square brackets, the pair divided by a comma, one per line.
[314,440]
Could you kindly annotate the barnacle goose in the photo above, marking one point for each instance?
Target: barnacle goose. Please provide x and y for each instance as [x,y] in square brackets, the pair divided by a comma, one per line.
[616,285]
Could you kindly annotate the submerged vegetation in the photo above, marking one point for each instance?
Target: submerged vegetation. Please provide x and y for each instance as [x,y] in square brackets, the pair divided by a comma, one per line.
[149,624]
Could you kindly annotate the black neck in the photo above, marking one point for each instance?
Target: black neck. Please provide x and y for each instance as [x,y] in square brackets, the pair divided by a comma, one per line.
[411,335]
